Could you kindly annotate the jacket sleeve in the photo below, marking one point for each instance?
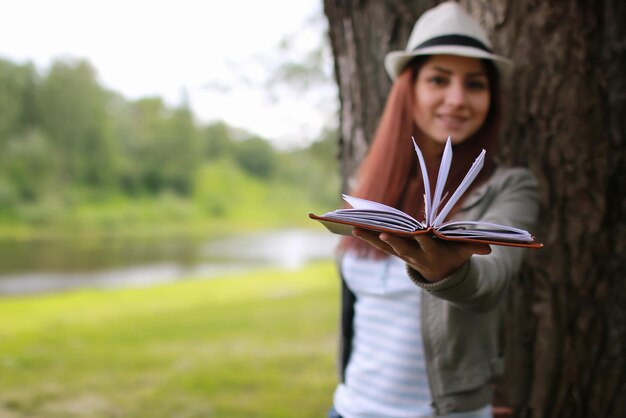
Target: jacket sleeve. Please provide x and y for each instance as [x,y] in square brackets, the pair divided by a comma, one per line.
[479,283]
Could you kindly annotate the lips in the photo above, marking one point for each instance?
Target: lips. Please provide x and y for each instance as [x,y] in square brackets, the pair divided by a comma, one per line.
[452,122]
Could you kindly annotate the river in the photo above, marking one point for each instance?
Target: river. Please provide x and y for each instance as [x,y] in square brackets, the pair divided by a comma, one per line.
[49,266]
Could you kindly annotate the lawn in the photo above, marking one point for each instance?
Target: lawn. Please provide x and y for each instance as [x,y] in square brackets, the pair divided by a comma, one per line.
[261,344]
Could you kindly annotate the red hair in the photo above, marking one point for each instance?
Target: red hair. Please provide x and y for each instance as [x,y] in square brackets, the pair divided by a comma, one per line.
[390,173]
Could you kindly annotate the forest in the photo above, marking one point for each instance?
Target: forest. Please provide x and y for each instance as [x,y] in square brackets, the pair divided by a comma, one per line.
[75,156]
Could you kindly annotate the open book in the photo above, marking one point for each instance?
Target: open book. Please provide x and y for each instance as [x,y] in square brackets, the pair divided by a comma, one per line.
[375,216]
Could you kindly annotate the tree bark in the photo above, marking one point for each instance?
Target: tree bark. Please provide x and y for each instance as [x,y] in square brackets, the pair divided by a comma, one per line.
[361,33]
[566,332]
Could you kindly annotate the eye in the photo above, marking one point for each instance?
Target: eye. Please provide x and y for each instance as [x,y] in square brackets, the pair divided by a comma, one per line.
[476,85]
[438,80]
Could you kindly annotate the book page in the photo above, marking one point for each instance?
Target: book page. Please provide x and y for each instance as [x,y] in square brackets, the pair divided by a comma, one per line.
[364,204]
[442,177]
[467,181]
[427,200]
[364,218]
[484,230]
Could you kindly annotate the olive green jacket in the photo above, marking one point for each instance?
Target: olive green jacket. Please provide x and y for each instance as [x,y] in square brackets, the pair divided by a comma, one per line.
[462,314]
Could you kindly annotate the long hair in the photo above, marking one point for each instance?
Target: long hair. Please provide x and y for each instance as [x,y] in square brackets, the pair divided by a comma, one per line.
[390,173]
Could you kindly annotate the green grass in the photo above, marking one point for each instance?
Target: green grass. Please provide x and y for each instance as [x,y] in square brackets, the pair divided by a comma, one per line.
[261,344]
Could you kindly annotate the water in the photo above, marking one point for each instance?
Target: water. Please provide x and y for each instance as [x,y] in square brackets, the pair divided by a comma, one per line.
[47,266]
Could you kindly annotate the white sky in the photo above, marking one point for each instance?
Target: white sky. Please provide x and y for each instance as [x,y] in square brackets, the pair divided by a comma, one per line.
[218,52]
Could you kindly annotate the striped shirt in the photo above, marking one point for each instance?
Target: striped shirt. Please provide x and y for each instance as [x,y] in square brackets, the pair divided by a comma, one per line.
[386,375]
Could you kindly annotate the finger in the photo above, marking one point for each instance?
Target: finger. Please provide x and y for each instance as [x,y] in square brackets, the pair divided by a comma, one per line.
[373,239]
[403,247]
[430,245]
[477,248]
[427,243]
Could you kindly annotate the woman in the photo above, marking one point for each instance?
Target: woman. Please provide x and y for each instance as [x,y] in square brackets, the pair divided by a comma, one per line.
[421,318]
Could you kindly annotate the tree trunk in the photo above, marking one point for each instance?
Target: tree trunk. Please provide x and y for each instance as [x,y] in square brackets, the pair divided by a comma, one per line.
[361,33]
[566,333]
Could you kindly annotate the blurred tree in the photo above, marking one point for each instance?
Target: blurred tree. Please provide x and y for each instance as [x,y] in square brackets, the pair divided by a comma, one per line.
[185,150]
[64,138]
[216,140]
[17,86]
[296,167]
[72,111]
[303,73]
[125,131]
[566,335]
[256,156]
[324,149]
[29,166]
[165,145]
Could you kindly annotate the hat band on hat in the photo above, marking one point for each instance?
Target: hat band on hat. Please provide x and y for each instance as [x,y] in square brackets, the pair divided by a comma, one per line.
[459,40]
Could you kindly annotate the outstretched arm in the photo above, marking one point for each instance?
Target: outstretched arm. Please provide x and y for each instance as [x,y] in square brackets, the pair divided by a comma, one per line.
[470,276]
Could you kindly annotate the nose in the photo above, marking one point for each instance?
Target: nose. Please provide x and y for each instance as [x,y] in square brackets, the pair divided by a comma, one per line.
[455,94]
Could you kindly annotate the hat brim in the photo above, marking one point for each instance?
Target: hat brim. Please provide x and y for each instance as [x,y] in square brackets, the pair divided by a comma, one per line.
[396,61]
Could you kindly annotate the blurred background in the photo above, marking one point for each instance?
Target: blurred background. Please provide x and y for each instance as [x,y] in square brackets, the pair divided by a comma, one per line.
[155,127]
[157,164]
[146,146]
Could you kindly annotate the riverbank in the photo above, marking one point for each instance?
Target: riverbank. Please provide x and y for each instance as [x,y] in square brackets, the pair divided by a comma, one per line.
[152,218]
[260,345]
[42,266]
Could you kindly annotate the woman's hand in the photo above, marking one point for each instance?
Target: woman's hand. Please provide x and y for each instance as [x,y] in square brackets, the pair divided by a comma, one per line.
[434,259]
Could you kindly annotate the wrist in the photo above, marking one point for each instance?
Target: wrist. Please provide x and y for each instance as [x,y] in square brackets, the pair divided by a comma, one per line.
[434,276]
[452,279]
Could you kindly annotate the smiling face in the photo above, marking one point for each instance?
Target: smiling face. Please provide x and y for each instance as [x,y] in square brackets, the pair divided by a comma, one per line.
[452,98]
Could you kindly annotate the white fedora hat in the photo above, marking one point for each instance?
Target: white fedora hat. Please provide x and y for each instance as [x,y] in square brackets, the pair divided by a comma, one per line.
[446,29]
